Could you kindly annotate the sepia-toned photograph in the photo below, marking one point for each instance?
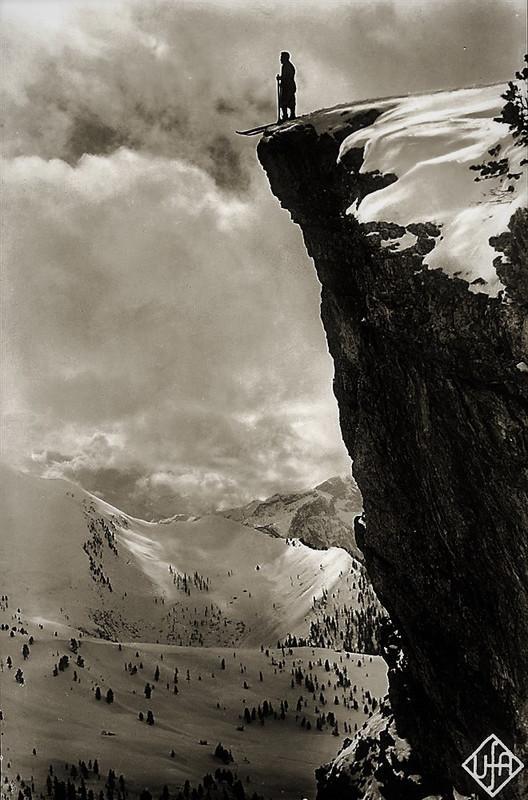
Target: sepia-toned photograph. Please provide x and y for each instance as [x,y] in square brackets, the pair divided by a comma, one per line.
[264,400]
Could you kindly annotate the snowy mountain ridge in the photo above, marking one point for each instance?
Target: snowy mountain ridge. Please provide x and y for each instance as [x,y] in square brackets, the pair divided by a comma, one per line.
[321,517]
[123,577]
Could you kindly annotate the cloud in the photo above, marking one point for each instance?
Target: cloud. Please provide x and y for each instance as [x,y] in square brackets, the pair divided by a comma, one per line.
[221,461]
[154,328]
[177,79]
[163,342]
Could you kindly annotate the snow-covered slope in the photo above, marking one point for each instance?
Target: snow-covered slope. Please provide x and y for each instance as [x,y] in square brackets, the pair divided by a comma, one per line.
[429,142]
[60,717]
[79,562]
[204,602]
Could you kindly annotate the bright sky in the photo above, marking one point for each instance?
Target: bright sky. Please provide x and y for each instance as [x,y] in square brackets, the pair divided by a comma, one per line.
[161,322]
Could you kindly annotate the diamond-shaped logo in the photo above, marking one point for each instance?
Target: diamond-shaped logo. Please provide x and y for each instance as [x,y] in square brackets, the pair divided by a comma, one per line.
[493,765]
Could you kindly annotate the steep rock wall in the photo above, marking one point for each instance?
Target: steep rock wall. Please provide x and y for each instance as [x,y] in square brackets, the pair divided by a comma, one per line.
[433,403]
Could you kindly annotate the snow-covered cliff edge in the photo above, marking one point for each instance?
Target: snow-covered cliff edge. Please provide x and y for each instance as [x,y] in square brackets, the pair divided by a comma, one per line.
[424,301]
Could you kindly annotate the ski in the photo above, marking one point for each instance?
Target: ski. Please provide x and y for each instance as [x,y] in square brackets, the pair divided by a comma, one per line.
[255,131]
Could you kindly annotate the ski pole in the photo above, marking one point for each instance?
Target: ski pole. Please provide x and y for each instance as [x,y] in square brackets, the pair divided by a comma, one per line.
[278,99]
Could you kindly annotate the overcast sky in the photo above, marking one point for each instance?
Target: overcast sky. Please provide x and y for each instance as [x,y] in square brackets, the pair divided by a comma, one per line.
[161,334]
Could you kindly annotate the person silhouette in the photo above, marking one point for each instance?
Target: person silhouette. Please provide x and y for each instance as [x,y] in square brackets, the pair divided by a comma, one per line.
[287,88]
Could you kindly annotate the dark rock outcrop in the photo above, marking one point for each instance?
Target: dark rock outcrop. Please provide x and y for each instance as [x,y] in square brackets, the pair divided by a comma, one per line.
[317,524]
[433,410]
[377,762]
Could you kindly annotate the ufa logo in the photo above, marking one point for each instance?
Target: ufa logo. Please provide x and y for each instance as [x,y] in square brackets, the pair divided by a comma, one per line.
[493,765]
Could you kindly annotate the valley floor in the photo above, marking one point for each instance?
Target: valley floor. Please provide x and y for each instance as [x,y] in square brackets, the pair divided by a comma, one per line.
[60,718]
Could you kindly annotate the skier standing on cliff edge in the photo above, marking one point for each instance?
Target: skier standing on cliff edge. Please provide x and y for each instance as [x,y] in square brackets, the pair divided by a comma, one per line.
[287,88]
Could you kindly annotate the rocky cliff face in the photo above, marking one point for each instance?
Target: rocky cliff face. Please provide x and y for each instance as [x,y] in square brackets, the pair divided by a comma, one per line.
[431,380]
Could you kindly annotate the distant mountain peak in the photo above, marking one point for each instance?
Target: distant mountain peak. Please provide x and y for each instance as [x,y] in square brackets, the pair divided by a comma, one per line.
[321,517]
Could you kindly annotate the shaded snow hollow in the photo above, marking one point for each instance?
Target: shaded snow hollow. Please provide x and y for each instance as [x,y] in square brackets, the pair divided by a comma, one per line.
[429,142]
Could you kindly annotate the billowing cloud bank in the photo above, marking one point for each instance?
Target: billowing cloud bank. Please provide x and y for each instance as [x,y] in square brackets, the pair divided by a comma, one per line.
[161,335]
